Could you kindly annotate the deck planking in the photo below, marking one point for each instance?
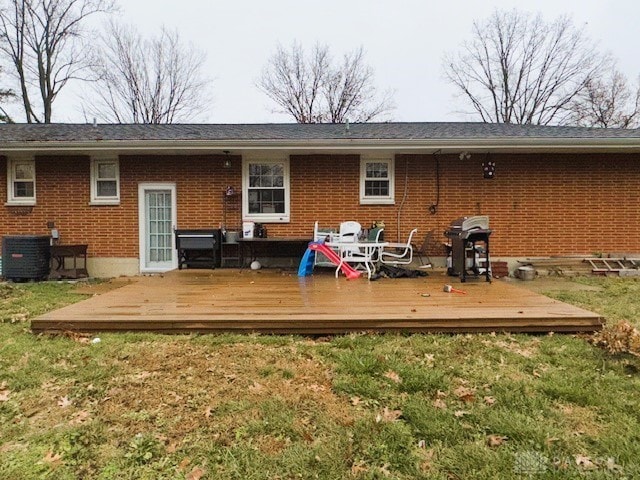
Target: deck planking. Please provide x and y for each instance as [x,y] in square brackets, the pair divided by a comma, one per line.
[271,301]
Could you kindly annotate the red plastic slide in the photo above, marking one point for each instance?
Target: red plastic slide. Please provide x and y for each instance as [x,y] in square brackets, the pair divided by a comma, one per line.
[347,269]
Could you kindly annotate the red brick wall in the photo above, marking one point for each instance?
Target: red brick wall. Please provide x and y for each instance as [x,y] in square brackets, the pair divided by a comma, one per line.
[538,204]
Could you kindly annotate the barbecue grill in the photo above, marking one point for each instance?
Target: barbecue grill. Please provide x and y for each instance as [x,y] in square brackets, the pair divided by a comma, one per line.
[198,248]
[465,256]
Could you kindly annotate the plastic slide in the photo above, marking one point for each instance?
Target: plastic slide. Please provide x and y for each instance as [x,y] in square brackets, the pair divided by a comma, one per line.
[306,264]
[307,260]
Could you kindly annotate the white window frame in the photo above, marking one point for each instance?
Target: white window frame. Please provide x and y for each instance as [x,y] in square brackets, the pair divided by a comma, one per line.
[378,199]
[266,217]
[95,165]
[11,198]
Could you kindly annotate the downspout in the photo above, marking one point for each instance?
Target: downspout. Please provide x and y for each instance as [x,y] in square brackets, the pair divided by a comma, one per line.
[404,195]
[433,208]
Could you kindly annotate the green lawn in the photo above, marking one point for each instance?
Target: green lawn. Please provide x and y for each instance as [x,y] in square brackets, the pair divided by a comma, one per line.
[365,406]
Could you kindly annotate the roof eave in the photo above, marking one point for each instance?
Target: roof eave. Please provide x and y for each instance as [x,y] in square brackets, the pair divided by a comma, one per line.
[504,144]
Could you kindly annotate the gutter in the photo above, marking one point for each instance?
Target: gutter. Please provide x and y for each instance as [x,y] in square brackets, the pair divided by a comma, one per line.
[506,144]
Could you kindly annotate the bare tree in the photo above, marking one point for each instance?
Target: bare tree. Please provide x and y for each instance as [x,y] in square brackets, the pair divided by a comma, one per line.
[5,94]
[519,69]
[159,80]
[608,102]
[314,89]
[42,41]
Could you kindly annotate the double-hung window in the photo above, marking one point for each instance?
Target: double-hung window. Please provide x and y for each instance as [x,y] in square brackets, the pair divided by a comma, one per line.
[105,181]
[21,181]
[265,190]
[376,181]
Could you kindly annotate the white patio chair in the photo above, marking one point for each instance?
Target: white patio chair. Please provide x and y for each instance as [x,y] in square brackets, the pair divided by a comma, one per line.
[323,235]
[353,255]
[398,253]
[349,232]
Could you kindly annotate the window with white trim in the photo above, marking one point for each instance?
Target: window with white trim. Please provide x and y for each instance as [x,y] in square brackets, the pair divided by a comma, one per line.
[105,181]
[265,188]
[21,181]
[376,181]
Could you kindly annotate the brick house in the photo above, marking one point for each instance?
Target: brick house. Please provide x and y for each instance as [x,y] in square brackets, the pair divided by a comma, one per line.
[556,190]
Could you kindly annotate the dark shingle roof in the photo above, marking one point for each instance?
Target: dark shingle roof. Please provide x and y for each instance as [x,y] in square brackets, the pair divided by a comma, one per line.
[10,133]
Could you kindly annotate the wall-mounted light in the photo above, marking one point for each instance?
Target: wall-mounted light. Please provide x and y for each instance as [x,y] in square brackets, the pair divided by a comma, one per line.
[227,159]
[488,168]
[464,156]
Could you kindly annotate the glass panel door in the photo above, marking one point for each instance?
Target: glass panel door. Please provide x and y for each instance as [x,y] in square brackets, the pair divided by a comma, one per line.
[158,206]
[159,216]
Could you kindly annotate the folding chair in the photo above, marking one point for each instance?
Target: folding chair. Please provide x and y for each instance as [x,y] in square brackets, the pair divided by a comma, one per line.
[423,250]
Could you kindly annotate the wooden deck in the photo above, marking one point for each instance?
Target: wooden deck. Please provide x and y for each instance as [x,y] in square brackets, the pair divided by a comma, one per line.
[275,302]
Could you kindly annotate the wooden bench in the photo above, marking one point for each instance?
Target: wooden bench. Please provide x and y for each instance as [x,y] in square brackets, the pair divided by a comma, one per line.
[59,255]
[272,247]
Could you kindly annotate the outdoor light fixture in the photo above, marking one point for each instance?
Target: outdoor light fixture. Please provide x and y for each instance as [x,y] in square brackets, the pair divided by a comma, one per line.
[488,169]
[227,160]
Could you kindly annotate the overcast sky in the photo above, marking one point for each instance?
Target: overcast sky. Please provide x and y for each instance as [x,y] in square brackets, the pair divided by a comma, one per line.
[404,41]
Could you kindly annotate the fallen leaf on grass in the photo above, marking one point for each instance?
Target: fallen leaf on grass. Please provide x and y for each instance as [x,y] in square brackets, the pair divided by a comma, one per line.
[585,463]
[314,387]
[19,317]
[256,387]
[142,375]
[79,418]
[489,400]
[76,336]
[388,415]
[384,469]
[612,466]
[172,447]
[393,376]
[465,394]
[460,413]
[439,403]
[355,401]
[184,463]
[207,412]
[358,468]
[4,392]
[495,440]
[64,402]
[195,474]
[53,459]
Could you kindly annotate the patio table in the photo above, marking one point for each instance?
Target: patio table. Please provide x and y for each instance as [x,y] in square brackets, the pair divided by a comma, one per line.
[369,253]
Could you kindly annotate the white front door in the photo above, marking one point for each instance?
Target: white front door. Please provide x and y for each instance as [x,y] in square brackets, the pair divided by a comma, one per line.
[157,220]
